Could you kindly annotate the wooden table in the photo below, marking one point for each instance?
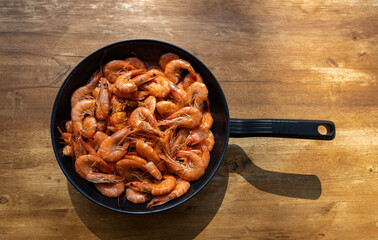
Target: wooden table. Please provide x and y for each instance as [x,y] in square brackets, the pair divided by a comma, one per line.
[295,59]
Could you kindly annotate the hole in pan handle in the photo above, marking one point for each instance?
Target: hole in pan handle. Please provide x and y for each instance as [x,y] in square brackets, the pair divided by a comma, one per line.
[307,129]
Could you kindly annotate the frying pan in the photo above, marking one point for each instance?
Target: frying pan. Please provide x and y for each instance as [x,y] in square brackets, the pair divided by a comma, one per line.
[223,126]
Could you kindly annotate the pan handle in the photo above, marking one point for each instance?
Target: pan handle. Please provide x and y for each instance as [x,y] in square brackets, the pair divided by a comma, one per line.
[308,129]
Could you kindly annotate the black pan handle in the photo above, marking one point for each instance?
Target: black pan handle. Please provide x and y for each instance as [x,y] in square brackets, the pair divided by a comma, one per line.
[307,129]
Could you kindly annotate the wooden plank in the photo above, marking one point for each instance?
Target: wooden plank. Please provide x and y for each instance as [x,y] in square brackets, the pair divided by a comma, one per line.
[274,59]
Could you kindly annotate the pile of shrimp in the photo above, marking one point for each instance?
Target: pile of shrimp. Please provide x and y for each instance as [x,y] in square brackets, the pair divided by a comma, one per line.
[143,131]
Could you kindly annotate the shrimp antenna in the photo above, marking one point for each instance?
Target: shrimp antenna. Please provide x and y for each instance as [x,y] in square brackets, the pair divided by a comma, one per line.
[102,59]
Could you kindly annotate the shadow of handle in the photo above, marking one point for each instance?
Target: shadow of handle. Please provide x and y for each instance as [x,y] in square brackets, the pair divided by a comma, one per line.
[284,184]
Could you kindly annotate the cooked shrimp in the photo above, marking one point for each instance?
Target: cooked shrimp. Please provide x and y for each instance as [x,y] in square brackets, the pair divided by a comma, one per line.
[181,188]
[197,94]
[88,165]
[203,131]
[179,140]
[84,91]
[113,69]
[69,127]
[188,80]
[125,83]
[90,150]
[159,87]
[166,58]
[120,104]
[112,190]
[187,117]
[192,170]
[97,139]
[149,103]
[153,170]
[118,120]
[68,151]
[210,141]
[78,149]
[136,95]
[178,94]
[149,153]
[101,126]
[66,136]
[89,127]
[115,147]
[166,108]
[126,168]
[156,189]
[143,119]
[136,63]
[96,92]
[102,101]
[81,108]
[136,197]
[173,68]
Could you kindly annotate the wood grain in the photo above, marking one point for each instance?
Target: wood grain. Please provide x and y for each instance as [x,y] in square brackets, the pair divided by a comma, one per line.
[274,59]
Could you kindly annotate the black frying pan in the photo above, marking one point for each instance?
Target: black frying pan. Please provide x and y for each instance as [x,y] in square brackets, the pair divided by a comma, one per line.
[223,127]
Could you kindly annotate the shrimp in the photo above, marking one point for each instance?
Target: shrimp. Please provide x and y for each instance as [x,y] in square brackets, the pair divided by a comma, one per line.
[191,170]
[125,83]
[112,190]
[102,102]
[89,127]
[187,117]
[166,108]
[88,165]
[180,139]
[188,80]
[84,91]
[149,153]
[136,95]
[126,167]
[78,149]
[178,94]
[119,104]
[136,63]
[159,87]
[66,136]
[96,92]
[210,141]
[101,126]
[181,188]
[143,119]
[113,69]
[156,189]
[78,112]
[97,139]
[69,126]
[166,58]
[173,68]
[197,93]
[153,170]
[88,148]
[115,147]
[68,151]
[149,103]
[136,197]
[118,120]
[202,132]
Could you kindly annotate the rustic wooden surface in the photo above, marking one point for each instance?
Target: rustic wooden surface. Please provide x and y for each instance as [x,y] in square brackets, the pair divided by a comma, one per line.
[274,59]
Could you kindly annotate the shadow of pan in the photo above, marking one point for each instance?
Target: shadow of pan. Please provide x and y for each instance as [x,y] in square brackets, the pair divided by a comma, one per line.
[284,184]
[185,221]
